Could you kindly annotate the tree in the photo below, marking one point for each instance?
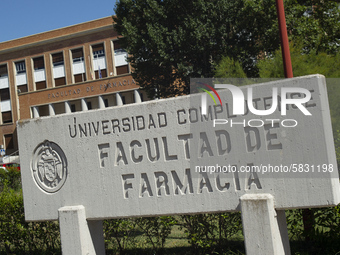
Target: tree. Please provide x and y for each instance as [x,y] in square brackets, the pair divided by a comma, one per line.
[305,64]
[316,23]
[302,63]
[171,41]
[229,68]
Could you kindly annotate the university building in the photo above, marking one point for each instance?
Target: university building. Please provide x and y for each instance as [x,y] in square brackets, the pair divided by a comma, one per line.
[76,68]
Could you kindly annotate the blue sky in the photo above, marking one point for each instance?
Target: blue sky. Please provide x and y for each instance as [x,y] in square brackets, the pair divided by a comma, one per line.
[21,18]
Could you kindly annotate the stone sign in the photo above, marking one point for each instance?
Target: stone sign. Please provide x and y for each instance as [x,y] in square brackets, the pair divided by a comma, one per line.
[164,157]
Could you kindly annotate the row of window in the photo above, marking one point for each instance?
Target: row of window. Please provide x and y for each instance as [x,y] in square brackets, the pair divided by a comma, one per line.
[109,100]
[97,67]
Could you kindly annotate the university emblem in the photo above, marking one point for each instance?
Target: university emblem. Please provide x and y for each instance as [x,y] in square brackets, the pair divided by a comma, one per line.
[49,166]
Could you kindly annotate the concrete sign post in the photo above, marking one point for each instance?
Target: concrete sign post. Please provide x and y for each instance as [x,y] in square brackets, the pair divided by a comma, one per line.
[164,158]
[259,216]
[77,235]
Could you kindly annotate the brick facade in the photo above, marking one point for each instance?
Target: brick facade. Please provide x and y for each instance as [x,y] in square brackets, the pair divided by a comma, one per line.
[60,71]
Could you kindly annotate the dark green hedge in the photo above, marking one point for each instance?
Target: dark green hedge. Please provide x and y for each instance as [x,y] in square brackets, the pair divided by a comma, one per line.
[205,233]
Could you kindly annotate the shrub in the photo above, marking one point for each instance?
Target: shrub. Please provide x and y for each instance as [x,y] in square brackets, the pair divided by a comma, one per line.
[11,177]
[210,233]
[156,230]
[16,235]
[120,233]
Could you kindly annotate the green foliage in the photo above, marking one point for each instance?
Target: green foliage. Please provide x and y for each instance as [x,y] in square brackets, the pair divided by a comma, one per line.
[229,225]
[229,68]
[305,64]
[10,176]
[16,235]
[206,233]
[120,233]
[156,229]
[171,41]
[333,90]
[324,222]
[200,231]
[337,146]
[174,40]
[324,235]
[210,233]
[12,232]
[294,224]
[316,23]
[302,63]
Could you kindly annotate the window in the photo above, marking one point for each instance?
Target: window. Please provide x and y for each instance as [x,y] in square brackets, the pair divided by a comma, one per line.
[43,110]
[6,117]
[59,81]
[79,77]
[3,70]
[22,88]
[120,56]
[118,49]
[73,108]
[78,66]
[59,108]
[58,69]
[98,50]
[58,59]
[38,63]
[100,73]
[99,62]
[20,67]
[122,69]
[89,105]
[4,94]
[20,77]
[9,142]
[127,97]
[77,55]
[116,45]
[40,85]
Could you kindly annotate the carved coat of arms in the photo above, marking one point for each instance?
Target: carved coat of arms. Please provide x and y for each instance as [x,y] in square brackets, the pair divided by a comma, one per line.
[49,166]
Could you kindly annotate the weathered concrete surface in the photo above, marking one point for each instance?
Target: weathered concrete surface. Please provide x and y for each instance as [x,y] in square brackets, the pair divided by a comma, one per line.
[262,228]
[140,159]
[78,236]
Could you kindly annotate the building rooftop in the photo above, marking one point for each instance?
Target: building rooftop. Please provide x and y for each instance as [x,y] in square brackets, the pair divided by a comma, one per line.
[57,34]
